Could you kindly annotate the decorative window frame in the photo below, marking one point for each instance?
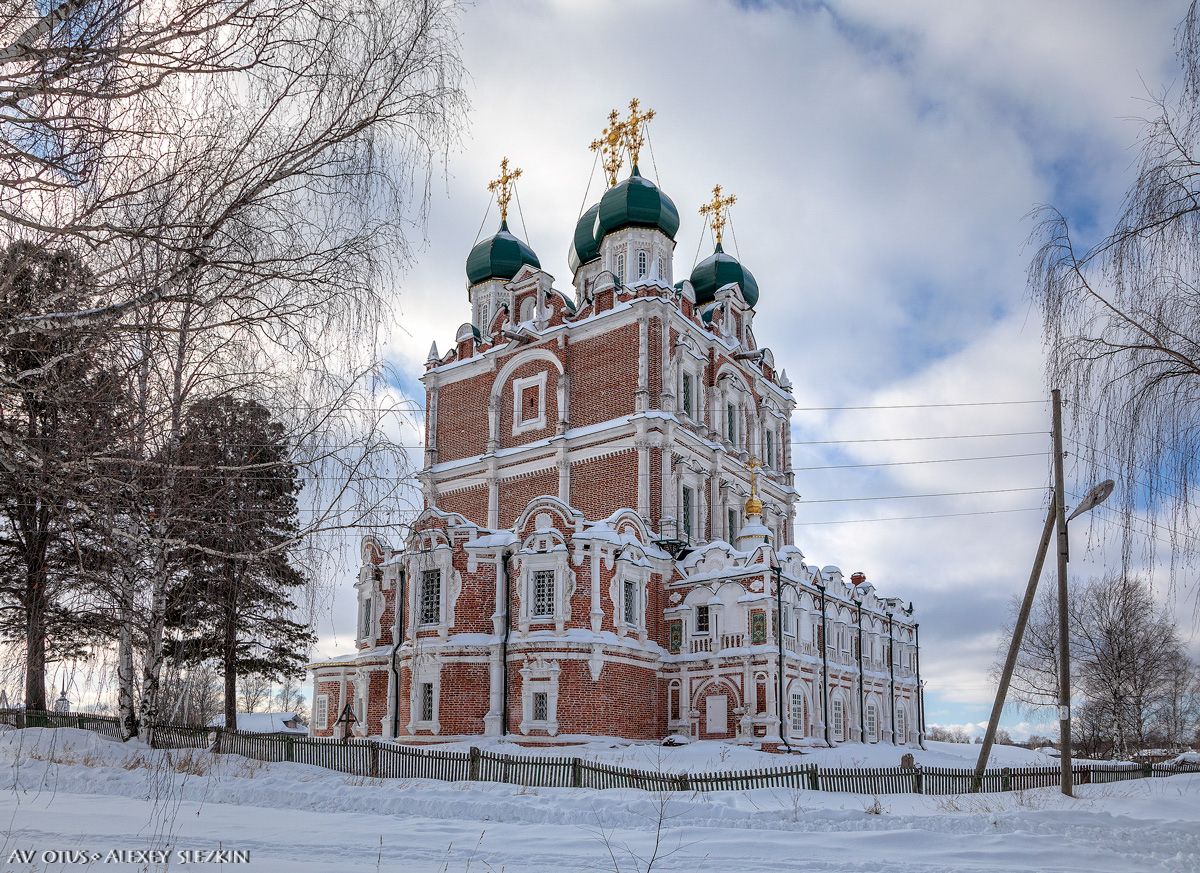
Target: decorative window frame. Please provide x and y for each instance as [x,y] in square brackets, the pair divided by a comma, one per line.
[634,569]
[426,670]
[368,587]
[539,676]
[522,425]
[545,550]
[435,554]
[321,712]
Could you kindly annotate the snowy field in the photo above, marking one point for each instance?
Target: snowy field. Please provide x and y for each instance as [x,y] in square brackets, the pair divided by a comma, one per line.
[70,790]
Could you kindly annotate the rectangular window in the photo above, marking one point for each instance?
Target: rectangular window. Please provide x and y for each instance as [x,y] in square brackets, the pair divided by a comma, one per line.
[872,724]
[686,513]
[321,712]
[687,396]
[543,594]
[770,446]
[541,706]
[426,701]
[702,619]
[431,597]
[730,423]
[365,620]
[630,597]
[733,524]
[839,721]
[785,619]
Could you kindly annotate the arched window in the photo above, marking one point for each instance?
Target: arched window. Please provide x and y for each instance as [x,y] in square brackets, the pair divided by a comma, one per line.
[799,726]
[901,726]
[527,308]
[620,271]
[673,701]
[872,723]
[641,264]
[838,716]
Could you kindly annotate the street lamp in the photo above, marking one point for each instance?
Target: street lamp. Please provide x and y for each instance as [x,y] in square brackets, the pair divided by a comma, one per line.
[1056,517]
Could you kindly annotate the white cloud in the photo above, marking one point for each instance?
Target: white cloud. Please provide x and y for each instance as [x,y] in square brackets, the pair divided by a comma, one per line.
[884,156]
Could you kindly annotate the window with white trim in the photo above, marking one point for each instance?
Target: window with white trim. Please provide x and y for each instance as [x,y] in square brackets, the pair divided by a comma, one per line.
[731,423]
[872,723]
[365,619]
[620,270]
[430,599]
[799,714]
[629,596]
[542,604]
[688,405]
[733,524]
[702,619]
[426,701]
[901,726]
[769,448]
[838,717]
[541,706]
[686,512]
[785,619]
[529,403]
[641,264]
[321,712]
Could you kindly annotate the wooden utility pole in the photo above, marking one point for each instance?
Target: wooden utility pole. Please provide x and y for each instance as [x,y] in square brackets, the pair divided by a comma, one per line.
[1014,647]
[1064,645]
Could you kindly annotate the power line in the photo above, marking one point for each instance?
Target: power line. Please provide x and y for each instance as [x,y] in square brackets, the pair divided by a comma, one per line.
[919,405]
[912,517]
[916,496]
[930,461]
[965,436]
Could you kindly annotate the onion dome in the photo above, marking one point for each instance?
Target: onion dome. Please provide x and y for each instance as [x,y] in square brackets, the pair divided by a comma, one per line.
[718,270]
[499,257]
[636,202]
[585,244]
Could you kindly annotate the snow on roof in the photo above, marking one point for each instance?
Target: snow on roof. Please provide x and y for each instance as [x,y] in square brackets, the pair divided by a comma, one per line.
[264,722]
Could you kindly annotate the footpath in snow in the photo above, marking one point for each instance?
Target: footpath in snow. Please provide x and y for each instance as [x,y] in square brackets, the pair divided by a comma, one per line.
[69,790]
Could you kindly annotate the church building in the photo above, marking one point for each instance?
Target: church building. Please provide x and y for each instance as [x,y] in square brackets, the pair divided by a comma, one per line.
[606,546]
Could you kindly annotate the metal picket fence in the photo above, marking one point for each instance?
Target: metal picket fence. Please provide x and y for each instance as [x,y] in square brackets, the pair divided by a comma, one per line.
[387,760]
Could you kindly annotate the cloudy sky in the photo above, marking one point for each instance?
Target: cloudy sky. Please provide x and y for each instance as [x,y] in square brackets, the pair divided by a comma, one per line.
[885,157]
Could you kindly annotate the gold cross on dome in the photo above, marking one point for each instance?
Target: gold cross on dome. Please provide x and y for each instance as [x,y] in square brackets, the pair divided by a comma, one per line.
[502,187]
[609,145]
[634,131]
[718,211]
[753,504]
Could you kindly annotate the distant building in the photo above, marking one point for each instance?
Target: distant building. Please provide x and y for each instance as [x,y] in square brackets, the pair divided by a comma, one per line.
[606,546]
[266,722]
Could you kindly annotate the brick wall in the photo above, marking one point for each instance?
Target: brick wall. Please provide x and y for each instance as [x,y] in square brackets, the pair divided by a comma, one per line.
[601,486]
[605,369]
[517,493]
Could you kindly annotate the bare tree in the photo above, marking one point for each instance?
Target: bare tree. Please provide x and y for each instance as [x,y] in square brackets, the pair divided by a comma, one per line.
[1122,326]
[245,177]
[1125,654]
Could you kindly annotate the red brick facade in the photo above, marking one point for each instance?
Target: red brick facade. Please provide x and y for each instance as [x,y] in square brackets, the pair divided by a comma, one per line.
[549,592]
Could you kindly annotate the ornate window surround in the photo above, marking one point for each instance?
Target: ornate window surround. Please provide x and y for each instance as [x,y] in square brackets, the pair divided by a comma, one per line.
[545,550]
[424,670]
[540,676]
[521,424]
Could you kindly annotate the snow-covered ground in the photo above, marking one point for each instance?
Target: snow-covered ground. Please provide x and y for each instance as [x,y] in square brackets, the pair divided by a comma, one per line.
[71,790]
[710,756]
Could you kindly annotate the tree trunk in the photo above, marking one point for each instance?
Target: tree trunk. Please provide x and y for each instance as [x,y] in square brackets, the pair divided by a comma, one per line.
[229,665]
[152,670]
[35,639]
[127,719]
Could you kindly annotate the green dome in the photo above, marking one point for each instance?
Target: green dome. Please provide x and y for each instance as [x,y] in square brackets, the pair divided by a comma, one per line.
[717,271]
[499,257]
[585,244]
[636,202]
